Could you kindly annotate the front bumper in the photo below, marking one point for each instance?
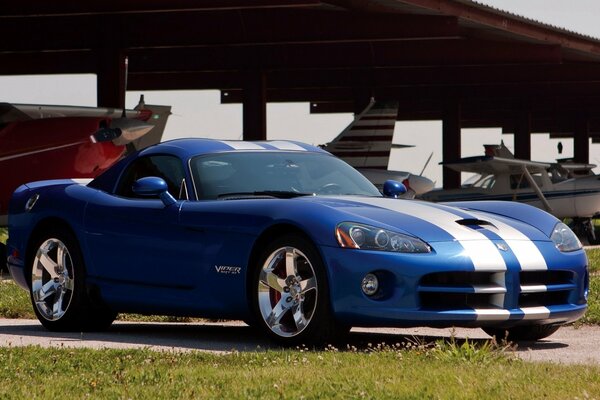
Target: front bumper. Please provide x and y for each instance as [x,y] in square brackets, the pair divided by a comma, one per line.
[443,288]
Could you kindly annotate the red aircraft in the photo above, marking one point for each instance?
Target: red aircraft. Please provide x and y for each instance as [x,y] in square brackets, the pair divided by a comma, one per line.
[39,142]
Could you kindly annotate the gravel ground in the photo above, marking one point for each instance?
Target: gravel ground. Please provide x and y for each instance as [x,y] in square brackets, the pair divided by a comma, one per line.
[568,346]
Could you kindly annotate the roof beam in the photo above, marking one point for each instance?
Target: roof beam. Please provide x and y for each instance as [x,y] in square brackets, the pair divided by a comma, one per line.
[215,28]
[32,8]
[350,55]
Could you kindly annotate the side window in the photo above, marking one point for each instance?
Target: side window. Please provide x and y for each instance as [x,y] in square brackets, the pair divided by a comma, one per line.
[167,167]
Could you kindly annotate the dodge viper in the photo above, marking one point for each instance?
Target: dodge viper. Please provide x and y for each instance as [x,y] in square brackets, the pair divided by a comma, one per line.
[292,240]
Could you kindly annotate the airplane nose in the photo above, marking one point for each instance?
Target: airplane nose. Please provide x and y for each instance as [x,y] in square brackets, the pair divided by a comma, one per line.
[131,129]
[122,131]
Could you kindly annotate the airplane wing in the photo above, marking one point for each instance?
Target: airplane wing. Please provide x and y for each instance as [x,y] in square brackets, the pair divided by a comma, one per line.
[491,165]
[23,112]
[495,165]
[154,115]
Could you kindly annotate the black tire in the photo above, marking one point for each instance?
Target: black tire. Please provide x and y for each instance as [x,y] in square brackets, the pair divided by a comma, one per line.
[522,333]
[57,285]
[308,318]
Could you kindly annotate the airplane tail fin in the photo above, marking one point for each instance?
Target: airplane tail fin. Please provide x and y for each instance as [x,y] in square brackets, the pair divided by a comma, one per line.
[498,150]
[367,141]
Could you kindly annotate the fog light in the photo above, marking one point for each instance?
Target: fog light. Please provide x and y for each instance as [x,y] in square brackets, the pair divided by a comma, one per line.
[370,284]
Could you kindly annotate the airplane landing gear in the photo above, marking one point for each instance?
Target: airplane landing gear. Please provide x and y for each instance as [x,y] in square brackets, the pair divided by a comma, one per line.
[584,229]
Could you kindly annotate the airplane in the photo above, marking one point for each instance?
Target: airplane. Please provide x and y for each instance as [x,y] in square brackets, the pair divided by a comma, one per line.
[39,142]
[564,189]
[366,144]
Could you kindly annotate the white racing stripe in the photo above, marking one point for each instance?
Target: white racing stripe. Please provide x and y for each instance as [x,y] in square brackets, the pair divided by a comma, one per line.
[535,312]
[283,145]
[241,145]
[529,256]
[483,253]
[484,314]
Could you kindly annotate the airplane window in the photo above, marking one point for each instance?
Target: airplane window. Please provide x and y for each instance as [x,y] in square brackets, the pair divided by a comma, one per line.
[167,167]
[518,182]
[485,182]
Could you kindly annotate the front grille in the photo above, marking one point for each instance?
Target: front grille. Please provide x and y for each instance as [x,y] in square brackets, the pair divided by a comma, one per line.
[459,290]
[462,290]
[457,278]
[543,298]
[455,301]
[545,288]
[545,277]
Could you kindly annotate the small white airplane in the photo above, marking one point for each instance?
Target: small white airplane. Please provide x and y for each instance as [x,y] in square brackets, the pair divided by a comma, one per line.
[366,145]
[565,189]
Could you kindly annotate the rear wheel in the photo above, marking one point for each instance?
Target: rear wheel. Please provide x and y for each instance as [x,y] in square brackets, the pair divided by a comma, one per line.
[522,333]
[57,290]
[290,293]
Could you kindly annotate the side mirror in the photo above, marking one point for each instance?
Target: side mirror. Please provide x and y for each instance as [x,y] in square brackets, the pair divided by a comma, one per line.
[152,186]
[393,189]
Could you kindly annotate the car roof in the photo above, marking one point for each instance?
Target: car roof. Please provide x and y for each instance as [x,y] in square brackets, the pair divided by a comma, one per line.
[185,148]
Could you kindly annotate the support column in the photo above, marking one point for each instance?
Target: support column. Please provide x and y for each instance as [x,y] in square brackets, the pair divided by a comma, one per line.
[523,136]
[451,143]
[111,78]
[581,140]
[255,106]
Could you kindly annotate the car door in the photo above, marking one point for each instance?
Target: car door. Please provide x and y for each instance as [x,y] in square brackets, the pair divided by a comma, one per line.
[137,242]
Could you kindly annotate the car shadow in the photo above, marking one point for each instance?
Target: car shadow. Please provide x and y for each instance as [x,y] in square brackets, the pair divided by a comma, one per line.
[226,337]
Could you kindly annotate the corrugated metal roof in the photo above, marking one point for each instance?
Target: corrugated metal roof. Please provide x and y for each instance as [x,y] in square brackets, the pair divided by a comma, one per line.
[528,20]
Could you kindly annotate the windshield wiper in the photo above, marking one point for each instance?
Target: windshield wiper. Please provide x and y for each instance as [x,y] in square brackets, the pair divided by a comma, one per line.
[280,194]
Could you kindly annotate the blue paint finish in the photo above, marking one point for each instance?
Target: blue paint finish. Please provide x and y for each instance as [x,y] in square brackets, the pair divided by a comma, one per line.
[148,257]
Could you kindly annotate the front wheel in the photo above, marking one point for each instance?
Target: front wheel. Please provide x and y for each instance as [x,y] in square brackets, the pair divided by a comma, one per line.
[290,293]
[522,333]
[57,290]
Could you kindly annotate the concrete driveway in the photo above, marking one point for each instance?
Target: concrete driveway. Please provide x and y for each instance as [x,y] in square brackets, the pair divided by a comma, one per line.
[568,346]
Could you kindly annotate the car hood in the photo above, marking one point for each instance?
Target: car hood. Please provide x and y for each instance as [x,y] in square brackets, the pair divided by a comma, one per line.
[428,221]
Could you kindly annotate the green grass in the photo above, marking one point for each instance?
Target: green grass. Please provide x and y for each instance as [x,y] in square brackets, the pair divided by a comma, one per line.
[594,260]
[14,301]
[32,372]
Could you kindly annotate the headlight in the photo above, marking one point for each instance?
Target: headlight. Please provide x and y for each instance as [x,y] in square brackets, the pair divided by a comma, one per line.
[359,236]
[564,239]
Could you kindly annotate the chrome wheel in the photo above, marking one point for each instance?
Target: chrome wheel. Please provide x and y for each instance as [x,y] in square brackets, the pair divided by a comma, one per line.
[287,291]
[52,279]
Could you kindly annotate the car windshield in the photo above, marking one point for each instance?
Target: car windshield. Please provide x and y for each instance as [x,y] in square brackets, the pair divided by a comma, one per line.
[278,174]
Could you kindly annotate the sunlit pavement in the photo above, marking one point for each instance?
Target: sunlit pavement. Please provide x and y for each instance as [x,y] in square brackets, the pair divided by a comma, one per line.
[569,345]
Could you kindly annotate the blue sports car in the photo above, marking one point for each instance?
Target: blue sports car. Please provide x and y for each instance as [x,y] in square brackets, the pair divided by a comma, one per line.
[290,239]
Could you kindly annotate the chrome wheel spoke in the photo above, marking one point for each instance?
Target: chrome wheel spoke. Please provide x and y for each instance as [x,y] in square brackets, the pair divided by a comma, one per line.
[57,306]
[308,284]
[48,289]
[277,313]
[68,284]
[48,264]
[268,278]
[61,257]
[290,261]
[299,317]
